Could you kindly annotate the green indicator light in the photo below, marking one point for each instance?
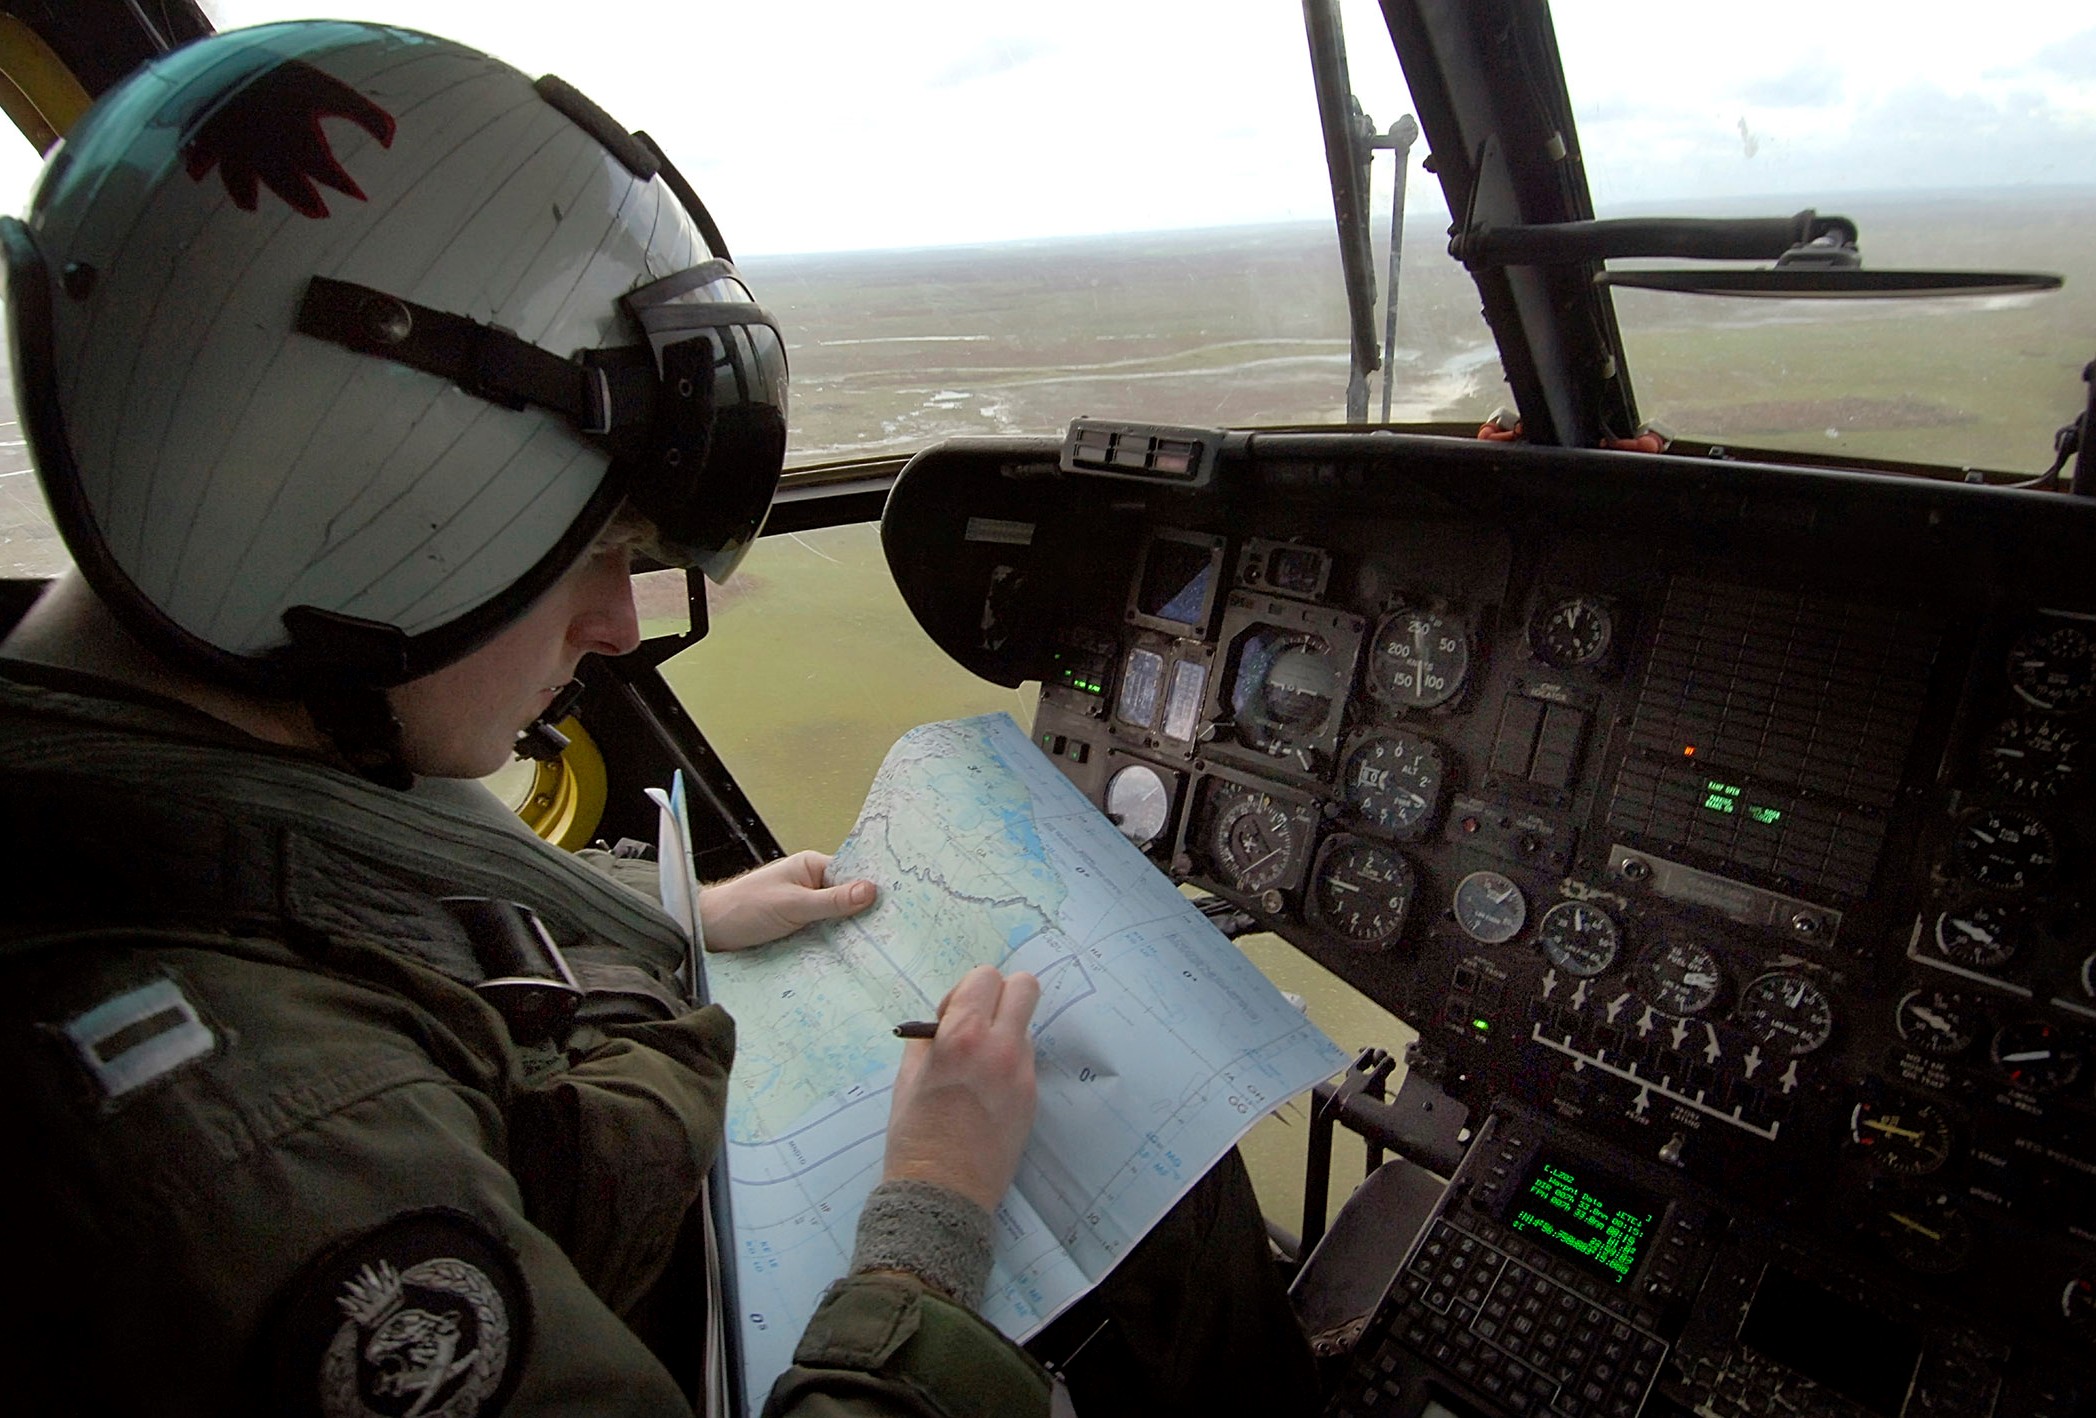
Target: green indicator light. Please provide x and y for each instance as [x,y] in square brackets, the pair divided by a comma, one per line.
[1482,1026]
[1718,802]
[1730,790]
[1764,814]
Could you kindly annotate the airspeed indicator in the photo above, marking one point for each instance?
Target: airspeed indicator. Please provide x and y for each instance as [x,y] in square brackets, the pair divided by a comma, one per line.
[1420,659]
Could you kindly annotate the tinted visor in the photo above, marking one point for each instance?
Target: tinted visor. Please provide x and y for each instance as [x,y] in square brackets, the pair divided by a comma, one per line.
[719,438]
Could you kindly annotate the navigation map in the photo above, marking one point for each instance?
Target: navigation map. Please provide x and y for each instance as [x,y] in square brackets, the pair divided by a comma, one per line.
[1158,1044]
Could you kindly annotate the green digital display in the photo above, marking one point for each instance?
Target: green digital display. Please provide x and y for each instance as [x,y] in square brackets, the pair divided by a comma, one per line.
[1599,1222]
[1726,798]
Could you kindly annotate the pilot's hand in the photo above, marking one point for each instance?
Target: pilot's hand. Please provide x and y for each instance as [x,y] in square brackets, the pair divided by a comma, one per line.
[776,899]
[964,1100]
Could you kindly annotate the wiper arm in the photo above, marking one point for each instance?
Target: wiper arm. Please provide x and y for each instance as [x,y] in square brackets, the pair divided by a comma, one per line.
[1816,257]
[1696,238]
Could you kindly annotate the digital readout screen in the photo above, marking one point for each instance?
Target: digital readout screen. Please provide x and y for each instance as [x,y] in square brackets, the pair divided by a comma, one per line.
[1177,578]
[1597,1221]
[1848,1347]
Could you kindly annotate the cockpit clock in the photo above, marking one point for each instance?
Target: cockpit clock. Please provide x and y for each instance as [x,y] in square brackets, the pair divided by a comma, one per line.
[1573,632]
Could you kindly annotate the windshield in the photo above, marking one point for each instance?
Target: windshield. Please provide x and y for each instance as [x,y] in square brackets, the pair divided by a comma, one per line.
[1956,137]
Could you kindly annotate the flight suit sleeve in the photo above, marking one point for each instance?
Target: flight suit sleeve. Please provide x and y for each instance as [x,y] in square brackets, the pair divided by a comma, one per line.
[889,1344]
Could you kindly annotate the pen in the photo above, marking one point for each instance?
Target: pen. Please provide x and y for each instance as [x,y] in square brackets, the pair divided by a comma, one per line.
[917,1029]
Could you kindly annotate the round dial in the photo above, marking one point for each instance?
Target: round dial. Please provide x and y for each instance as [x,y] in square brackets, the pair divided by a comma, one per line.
[1572,632]
[2054,666]
[1285,685]
[2033,756]
[1490,908]
[2005,848]
[1981,934]
[1679,977]
[1910,1139]
[1419,659]
[1938,1022]
[1924,1232]
[1394,781]
[1579,938]
[2035,1055]
[2078,1307]
[1787,1012]
[1253,841]
[1362,890]
[1139,803]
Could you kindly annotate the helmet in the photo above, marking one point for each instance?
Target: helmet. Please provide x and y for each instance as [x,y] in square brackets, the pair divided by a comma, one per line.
[337,344]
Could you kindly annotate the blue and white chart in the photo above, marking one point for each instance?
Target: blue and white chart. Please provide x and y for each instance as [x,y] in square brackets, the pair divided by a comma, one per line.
[1158,1043]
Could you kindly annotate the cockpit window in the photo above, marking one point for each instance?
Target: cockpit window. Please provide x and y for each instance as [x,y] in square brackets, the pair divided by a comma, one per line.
[1964,140]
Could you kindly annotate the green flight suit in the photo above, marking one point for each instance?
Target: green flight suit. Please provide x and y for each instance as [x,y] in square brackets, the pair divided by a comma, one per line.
[272,1153]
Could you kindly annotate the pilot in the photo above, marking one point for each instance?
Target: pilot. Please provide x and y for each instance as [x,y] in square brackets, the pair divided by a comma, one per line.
[357,369]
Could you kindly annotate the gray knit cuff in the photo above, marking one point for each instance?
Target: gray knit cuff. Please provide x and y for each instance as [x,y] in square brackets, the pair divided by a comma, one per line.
[933,1233]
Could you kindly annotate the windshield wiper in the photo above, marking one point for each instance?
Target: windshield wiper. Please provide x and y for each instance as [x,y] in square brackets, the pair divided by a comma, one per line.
[1815,257]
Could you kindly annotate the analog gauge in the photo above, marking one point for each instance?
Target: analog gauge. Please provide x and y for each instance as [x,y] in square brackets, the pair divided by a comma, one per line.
[1141,679]
[1679,977]
[2035,1055]
[1362,890]
[1490,908]
[1981,934]
[1394,781]
[1285,685]
[1139,802]
[1420,659]
[1253,841]
[1787,1012]
[1580,939]
[1572,633]
[2078,1307]
[1923,1231]
[1938,1022]
[2088,976]
[1907,1138]
[2005,848]
[2054,667]
[2033,757]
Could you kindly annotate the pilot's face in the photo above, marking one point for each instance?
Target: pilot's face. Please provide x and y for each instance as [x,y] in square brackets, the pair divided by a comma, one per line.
[462,720]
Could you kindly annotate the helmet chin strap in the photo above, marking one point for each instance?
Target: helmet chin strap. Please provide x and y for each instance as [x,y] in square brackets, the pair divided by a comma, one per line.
[540,740]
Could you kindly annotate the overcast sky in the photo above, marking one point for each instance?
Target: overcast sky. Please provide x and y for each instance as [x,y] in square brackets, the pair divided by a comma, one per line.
[814,124]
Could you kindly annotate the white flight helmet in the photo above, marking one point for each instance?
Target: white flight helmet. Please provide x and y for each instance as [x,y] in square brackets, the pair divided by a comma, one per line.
[337,344]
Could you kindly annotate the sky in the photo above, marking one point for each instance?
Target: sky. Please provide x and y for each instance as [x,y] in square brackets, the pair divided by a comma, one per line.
[835,125]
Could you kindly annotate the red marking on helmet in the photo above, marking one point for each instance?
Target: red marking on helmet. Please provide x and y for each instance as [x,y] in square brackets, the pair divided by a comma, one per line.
[269,134]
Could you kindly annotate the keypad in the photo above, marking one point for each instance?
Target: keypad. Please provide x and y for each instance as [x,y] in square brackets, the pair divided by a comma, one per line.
[1490,1313]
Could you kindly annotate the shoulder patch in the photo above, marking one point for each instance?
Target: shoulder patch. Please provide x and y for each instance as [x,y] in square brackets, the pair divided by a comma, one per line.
[423,1316]
[130,1039]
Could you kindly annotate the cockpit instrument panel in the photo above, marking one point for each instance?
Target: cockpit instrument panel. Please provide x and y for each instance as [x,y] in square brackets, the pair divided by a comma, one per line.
[1731,825]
